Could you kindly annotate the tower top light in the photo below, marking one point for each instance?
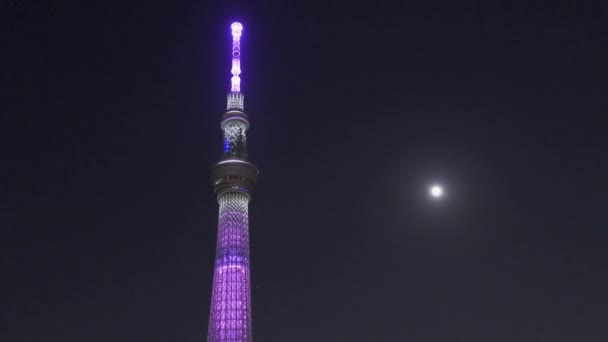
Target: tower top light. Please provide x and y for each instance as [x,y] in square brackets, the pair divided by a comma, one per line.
[237,31]
[237,28]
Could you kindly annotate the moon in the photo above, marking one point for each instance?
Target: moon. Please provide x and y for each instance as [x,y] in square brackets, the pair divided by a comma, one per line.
[436,191]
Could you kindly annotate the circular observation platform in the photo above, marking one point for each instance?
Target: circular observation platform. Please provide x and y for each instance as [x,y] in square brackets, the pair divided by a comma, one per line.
[234,175]
[234,114]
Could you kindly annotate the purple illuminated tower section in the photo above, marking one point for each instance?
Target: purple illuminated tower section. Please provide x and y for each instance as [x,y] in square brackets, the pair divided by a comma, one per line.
[233,179]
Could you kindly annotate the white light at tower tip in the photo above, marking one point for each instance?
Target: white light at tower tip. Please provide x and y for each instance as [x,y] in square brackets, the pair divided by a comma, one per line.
[236,29]
[436,191]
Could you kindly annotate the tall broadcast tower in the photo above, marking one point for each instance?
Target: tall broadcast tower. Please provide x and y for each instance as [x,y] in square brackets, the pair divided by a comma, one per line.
[233,179]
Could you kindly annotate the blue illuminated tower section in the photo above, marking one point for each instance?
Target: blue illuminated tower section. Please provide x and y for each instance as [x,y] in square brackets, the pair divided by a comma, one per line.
[233,179]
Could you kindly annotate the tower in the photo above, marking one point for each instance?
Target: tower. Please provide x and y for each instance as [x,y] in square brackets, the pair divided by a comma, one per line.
[233,179]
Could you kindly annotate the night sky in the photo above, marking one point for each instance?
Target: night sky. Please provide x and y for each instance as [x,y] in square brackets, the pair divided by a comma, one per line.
[110,122]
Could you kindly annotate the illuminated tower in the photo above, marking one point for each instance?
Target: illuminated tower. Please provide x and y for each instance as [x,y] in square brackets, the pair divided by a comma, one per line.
[233,179]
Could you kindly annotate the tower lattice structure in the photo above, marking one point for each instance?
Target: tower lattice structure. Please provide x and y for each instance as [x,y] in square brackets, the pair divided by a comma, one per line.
[233,179]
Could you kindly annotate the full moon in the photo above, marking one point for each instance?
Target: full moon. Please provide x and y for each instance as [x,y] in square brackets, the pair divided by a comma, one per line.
[436,191]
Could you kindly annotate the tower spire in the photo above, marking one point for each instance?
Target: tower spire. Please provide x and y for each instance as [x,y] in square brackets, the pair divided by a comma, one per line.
[237,30]
[235,97]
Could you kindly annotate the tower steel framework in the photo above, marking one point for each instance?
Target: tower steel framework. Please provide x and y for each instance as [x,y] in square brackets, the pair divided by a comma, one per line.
[233,179]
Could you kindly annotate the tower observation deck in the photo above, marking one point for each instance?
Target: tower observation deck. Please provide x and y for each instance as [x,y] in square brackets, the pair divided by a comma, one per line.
[233,179]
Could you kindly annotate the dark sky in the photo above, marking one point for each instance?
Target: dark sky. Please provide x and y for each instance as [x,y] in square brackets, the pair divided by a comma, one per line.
[110,121]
